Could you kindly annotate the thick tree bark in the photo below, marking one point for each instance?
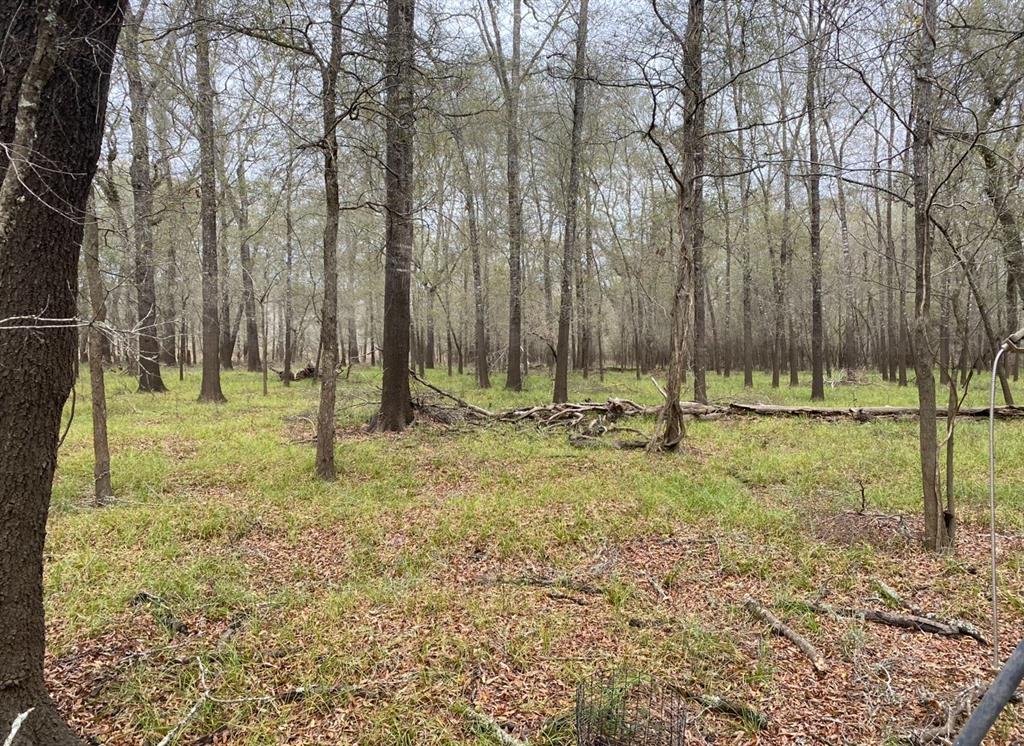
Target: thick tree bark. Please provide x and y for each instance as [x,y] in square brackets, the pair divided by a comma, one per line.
[139,92]
[569,251]
[396,402]
[209,389]
[938,528]
[56,59]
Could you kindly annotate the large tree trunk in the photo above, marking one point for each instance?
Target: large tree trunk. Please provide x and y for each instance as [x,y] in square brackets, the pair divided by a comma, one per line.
[569,252]
[142,209]
[209,390]
[938,529]
[396,402]
[52,106]
[328,363]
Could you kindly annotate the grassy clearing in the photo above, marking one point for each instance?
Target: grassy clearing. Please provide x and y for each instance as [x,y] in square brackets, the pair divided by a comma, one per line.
[409,588]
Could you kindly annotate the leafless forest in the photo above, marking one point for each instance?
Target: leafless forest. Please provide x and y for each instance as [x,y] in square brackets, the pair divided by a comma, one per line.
[535,193]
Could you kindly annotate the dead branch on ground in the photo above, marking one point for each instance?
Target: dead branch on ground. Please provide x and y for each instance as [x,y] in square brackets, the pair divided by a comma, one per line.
[915,622]
[782,630]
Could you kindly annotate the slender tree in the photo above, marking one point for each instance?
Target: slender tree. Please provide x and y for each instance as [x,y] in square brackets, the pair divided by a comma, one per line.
[209,389]
[139,92]
[328,364]
[102,489]
[938,523]
[569,253]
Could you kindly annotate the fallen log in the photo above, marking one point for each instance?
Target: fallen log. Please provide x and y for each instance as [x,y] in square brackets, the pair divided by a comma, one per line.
[782,630]
[593,417]
[550,414]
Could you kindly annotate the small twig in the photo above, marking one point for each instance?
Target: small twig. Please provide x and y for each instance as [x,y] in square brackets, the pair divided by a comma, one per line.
[664,394]
[174,732]
[783,630]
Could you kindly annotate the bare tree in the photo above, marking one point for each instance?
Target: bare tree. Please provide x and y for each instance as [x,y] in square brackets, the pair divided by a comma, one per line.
[139,92]
[569,253]
[209,390]
[938,524]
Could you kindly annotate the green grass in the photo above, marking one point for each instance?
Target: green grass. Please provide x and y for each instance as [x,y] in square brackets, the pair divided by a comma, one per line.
[386,593]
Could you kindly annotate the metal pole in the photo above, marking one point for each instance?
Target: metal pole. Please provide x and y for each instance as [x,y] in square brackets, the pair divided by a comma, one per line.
[995,699]
[992,499]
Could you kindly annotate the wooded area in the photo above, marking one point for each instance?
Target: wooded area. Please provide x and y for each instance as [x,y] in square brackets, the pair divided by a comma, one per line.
[543,195]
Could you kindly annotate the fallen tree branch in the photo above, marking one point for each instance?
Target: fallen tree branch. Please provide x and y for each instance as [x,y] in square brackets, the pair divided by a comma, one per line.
[782,630]
[915,622]
[448,395]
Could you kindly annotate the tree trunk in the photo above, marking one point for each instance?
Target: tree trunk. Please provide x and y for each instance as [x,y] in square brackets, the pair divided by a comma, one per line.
[102,489]
[814,196]
[289,260]
[142,209]
[690,201]
[937,529]
[512,90]
[252,337]
[569,252]
[328,363]
[483,378]
[396,401]
[209,390]
[56,73]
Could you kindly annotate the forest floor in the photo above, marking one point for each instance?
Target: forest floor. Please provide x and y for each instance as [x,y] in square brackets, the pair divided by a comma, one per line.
[493,569]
